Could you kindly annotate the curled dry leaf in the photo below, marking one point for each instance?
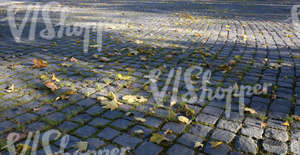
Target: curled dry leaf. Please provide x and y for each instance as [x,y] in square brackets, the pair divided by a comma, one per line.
[215,144]
[131,99]
[157,138]
[250,110]
[38,63]
[183,119]
[51,85]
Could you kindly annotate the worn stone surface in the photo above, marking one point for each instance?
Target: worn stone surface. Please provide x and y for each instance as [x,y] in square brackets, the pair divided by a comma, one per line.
[243,42]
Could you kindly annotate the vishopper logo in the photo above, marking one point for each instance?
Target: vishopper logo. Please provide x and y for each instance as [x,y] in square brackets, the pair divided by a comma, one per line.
[206,92]
[49,32]
[34,137]
[295,18]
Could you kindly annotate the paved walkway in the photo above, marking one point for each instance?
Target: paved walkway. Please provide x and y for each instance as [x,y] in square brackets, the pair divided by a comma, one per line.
[243,42]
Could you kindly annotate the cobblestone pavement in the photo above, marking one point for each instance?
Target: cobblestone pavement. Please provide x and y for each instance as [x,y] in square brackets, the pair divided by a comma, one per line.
[243,42]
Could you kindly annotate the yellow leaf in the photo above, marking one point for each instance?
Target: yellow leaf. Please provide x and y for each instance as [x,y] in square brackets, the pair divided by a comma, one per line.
[54,78]
[43,77]
[183,119]
[157,138]
[112,105]
[286,123]
[38,63]
[51,85]
[131,99]
[140,119]
[78,41]
[250,110]
[111,95]
[215,144]
[123,77]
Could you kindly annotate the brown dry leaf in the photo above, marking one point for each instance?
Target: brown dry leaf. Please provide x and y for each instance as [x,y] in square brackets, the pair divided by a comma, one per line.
[225,68]
[38,63]
[183,119]
[250,110]
[54,78]
[215,144]
[286,123]
[157,138]
[232,62]
[297,118]
[51,85]
[73,59]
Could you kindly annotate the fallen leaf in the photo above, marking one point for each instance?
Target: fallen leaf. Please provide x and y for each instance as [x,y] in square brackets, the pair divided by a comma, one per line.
[183,119]
[157,138]
[198,144]
[215,144]
[168,132]
[131,99]
[297,118]
[104,59]
[78,41]
[111,95]
[143,58]
[43,77]
[38,63]
[172,103]
[36,109]
[54,78]
[51,85]
[112,105]
[123,77]
[286,123]
[10,88]
[81,146]
[139,132]
[140,119]
[250,110]
[73,59]
[232,62]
